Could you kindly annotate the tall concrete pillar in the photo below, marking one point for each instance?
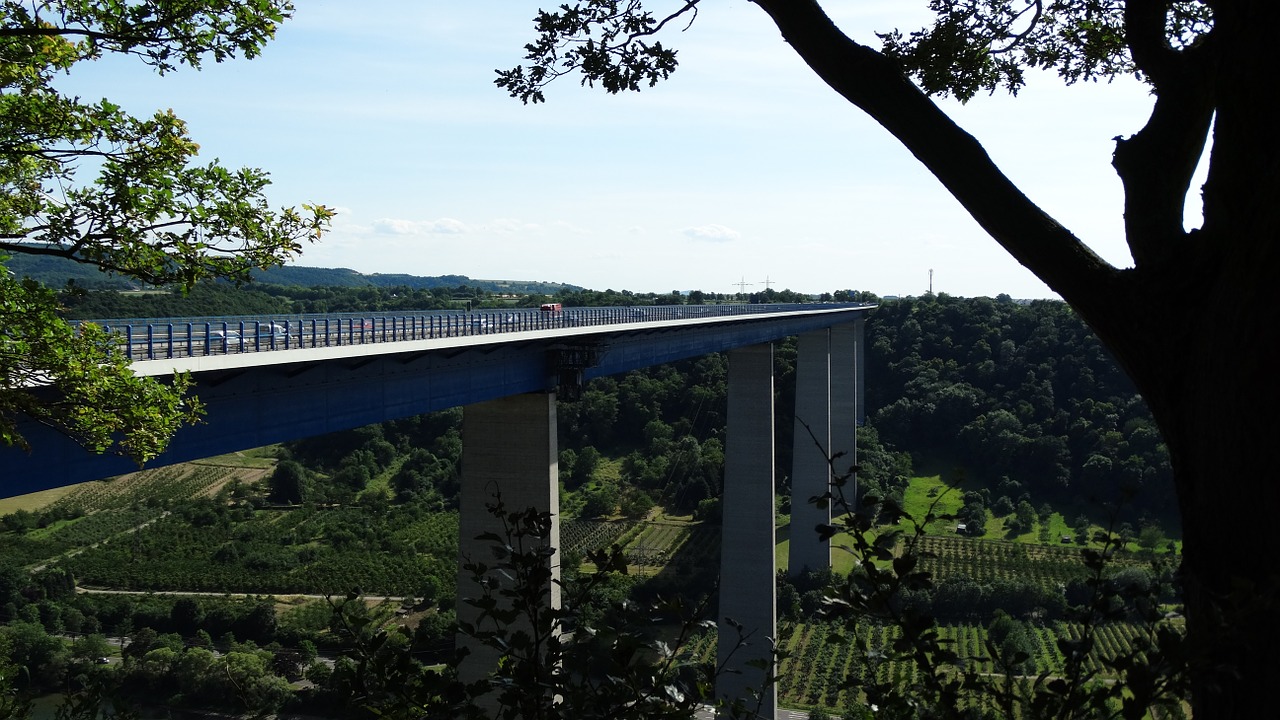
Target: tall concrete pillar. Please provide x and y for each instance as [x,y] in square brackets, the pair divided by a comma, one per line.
[860,365]
[747,595]
[508,445]
[846,377]
[811,446]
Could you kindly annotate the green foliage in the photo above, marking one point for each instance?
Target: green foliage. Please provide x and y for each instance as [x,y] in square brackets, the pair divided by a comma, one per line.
[1023,391]
[886,586]
[149,213]
[206,546]
[975,47]
[202,299]
[457,286]
[605,39]
[599,500]
[289,483]
[970,47]
[73,378]
[166,222]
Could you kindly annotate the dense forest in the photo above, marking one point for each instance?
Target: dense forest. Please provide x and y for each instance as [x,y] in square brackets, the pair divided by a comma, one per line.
[1023,396]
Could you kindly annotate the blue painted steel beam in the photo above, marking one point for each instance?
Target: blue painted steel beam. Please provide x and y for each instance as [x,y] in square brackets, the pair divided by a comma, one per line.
[263,398]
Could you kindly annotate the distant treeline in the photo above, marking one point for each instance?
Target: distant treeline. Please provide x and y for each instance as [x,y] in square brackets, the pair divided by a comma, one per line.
[56,271]
[84,302]
[270,300]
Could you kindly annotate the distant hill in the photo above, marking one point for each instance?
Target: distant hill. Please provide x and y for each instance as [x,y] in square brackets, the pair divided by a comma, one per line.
[55,272]
[345,277]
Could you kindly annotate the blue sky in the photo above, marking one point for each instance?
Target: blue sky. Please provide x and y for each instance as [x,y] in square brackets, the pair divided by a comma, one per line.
[743,166]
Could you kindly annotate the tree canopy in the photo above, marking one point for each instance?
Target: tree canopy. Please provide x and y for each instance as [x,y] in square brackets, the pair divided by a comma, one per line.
[1188,321]
[85,180]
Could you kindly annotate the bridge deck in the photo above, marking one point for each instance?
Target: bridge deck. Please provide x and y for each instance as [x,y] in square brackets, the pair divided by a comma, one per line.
[309,382]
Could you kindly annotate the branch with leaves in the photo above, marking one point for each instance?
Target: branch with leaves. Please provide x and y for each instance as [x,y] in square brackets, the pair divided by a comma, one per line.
[604,39]
[91,183]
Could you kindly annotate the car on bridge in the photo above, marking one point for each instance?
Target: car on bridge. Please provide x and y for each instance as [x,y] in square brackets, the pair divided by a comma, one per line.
[224,338]
[271,330]
[266,333]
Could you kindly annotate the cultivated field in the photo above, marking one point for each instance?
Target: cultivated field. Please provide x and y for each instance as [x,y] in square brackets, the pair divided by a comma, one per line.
[122,534]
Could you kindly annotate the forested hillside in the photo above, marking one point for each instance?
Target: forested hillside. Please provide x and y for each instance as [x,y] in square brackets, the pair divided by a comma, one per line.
[1013,404]
[223,299]
[1021,396]
[56,272]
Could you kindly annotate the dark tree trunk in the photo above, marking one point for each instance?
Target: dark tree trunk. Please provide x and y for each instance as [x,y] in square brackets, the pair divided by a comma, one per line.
[1204,362]
[1218,411]
[1219,424]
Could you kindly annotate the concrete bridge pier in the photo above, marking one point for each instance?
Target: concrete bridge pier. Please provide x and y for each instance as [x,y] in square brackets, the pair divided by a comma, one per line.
[811,448]
[508,446]
[825,444]
[747,595]
[847,358]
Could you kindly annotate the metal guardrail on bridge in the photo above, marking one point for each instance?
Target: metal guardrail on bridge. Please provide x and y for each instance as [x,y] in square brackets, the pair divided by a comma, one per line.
[166,338]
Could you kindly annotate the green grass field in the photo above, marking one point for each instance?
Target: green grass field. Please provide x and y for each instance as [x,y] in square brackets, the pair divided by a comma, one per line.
[931,496]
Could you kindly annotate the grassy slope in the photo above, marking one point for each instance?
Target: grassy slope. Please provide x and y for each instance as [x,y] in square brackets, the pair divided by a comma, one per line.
[931,494]
[32,502]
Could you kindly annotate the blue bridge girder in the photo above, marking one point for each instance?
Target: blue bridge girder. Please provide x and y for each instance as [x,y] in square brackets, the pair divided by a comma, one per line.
[268,380]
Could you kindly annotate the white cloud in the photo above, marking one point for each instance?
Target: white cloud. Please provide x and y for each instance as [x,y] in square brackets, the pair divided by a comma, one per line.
[712,233]
[443,226]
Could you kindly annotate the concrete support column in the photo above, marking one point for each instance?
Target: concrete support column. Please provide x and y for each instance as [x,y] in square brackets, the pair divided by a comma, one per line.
[811,446]
[508,445]
[846,377]
[860,365]
[747,594]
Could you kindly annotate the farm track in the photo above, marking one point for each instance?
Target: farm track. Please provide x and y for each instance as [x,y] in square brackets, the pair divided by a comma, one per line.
[282,597]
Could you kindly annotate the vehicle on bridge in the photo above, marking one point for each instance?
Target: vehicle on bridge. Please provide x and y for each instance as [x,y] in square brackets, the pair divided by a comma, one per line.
[263,333]
[224,338]
[271,329]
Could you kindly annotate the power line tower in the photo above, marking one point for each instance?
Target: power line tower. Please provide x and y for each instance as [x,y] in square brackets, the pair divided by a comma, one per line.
[742,285]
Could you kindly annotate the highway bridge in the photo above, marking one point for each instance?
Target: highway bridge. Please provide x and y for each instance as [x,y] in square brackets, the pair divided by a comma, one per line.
[265,380]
